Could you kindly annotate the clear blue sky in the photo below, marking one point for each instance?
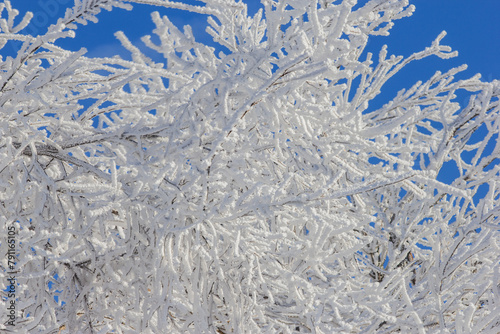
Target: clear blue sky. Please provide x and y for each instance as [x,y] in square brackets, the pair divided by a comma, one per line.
[473,30]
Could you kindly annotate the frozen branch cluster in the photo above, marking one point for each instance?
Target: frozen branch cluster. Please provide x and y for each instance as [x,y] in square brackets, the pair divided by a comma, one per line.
[254,190]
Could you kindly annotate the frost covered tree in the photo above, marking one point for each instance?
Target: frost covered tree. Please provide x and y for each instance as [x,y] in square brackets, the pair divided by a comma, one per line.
[250,190]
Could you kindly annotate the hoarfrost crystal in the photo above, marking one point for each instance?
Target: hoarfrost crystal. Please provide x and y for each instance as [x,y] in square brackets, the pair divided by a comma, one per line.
[253,190]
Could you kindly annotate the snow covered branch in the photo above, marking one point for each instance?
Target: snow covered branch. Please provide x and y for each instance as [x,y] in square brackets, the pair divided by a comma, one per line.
[252,190]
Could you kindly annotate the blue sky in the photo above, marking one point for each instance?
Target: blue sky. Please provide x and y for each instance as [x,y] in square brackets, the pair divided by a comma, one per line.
[473,28]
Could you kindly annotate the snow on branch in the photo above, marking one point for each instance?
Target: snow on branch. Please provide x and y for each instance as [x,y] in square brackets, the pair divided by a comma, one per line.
[250,189]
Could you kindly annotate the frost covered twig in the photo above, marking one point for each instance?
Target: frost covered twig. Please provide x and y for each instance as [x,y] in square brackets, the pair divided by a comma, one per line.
[251,190]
